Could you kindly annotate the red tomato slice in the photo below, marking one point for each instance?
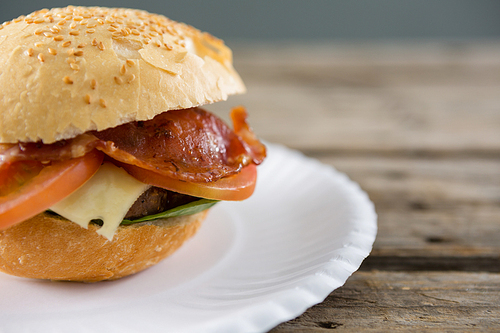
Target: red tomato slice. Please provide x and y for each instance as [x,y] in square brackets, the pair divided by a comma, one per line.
[232,188]
[17,174]
[32,188]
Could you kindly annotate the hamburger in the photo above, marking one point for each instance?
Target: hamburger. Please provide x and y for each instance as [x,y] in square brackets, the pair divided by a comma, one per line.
[108,163]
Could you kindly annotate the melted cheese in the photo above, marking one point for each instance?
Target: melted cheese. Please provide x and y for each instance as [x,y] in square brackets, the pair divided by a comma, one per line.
[107,196]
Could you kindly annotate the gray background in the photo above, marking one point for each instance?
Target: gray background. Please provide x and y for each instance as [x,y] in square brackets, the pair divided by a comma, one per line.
[312,19]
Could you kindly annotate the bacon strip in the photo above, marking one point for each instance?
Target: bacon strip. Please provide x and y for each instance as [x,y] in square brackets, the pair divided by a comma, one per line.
[191,145]
[241,127]
[36,151]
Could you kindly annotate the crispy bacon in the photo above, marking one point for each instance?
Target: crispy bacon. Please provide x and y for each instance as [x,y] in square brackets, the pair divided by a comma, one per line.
[191,145]
[36,151]
[241,127]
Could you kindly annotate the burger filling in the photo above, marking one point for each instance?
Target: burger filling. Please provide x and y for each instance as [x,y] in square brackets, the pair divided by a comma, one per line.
[179,162]
[156,200]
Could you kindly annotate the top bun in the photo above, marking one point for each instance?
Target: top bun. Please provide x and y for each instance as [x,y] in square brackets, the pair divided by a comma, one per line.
[66,71]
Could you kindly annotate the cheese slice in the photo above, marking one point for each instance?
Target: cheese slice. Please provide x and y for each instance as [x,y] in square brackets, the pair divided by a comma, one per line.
[107,196]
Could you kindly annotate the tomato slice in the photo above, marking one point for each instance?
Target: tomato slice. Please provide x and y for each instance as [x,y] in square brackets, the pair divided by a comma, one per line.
[29,188]
[233,188]
[17,174]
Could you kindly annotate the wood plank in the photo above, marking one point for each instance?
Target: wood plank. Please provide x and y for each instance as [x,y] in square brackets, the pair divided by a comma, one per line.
[401,301]
[448,207]
[434,263]
[433,98]
[438,53]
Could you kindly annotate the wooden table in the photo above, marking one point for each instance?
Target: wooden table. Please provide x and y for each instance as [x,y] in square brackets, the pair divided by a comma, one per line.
[417,125]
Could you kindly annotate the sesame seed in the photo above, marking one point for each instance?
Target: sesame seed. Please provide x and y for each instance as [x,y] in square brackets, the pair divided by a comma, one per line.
[41,57]
[74,32]
[82,45]
[102,103]
[116,34]
[70,60]
[101,46]
[92,25]
[94,42]
[74,66]
[118,80]
[90,31]
[47,34]
[67,80]
[72,25]
[135,32]
[55,29]
[123,70]
[93,84]
[130,63]
[131,78]
[52,51]
[168,47]
[79,53]
[61,22]
[71,52]
[39,20]
[38,44]
[66,43]
[100,21]
[111,29]
[77,18]
[84,22]
[58,38]
[29,52]
[38,31]
[87,99]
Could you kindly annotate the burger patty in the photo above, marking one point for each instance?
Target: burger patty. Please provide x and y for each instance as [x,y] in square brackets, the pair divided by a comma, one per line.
[156,200]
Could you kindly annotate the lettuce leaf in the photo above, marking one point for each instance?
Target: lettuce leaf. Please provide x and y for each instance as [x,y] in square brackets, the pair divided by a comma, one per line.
[187,209]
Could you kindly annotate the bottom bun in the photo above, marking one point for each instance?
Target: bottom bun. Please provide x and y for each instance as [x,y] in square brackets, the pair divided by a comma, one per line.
[48,246]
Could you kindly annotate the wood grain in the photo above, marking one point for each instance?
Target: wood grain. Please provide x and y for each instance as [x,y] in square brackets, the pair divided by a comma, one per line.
[431,206]
[401,301]
[429,98]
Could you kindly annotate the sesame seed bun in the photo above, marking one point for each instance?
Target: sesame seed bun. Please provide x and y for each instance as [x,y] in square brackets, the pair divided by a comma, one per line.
[50,247]
[66,71]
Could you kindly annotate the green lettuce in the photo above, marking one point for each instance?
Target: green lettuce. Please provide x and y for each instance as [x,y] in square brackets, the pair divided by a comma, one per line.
[187,209]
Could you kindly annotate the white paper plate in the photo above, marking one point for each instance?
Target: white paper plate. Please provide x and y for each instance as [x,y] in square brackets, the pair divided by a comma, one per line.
[253,264]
